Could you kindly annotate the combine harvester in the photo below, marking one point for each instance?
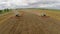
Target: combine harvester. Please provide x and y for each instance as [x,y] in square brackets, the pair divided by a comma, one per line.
[16,13]
[44,14]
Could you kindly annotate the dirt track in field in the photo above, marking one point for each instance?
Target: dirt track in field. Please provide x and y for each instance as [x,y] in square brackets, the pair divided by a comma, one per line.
[30,24]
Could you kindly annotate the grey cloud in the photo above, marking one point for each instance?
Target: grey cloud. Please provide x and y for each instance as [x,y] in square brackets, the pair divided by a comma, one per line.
[50,4]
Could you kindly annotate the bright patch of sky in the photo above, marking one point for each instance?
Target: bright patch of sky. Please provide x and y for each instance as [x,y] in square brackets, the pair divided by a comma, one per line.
[30,4]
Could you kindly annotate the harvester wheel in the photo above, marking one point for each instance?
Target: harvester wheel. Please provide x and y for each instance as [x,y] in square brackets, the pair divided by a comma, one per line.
[17,15]
[44,15]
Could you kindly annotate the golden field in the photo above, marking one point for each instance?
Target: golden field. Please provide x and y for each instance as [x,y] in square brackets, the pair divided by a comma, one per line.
[30,22]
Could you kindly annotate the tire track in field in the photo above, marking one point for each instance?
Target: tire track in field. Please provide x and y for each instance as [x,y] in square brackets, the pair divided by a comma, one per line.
[31,26]
[5,17]
[9,26]
[6,25]
[49,25]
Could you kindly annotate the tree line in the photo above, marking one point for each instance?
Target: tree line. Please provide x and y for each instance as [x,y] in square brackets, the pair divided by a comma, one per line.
[5,10]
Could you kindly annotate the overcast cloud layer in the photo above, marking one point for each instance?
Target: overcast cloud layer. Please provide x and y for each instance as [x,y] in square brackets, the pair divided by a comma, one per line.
[55,4]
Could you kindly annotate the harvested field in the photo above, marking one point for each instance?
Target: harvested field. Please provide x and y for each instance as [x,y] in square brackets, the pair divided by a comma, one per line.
[30,23]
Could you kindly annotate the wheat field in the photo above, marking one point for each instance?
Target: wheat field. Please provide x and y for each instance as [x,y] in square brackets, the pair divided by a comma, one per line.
[30,22]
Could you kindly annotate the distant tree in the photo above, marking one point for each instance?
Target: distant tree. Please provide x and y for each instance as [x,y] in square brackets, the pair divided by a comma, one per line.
[6,10]
[0,11]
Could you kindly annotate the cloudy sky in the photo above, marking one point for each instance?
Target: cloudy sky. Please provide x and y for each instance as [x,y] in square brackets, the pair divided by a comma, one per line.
[55,4]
